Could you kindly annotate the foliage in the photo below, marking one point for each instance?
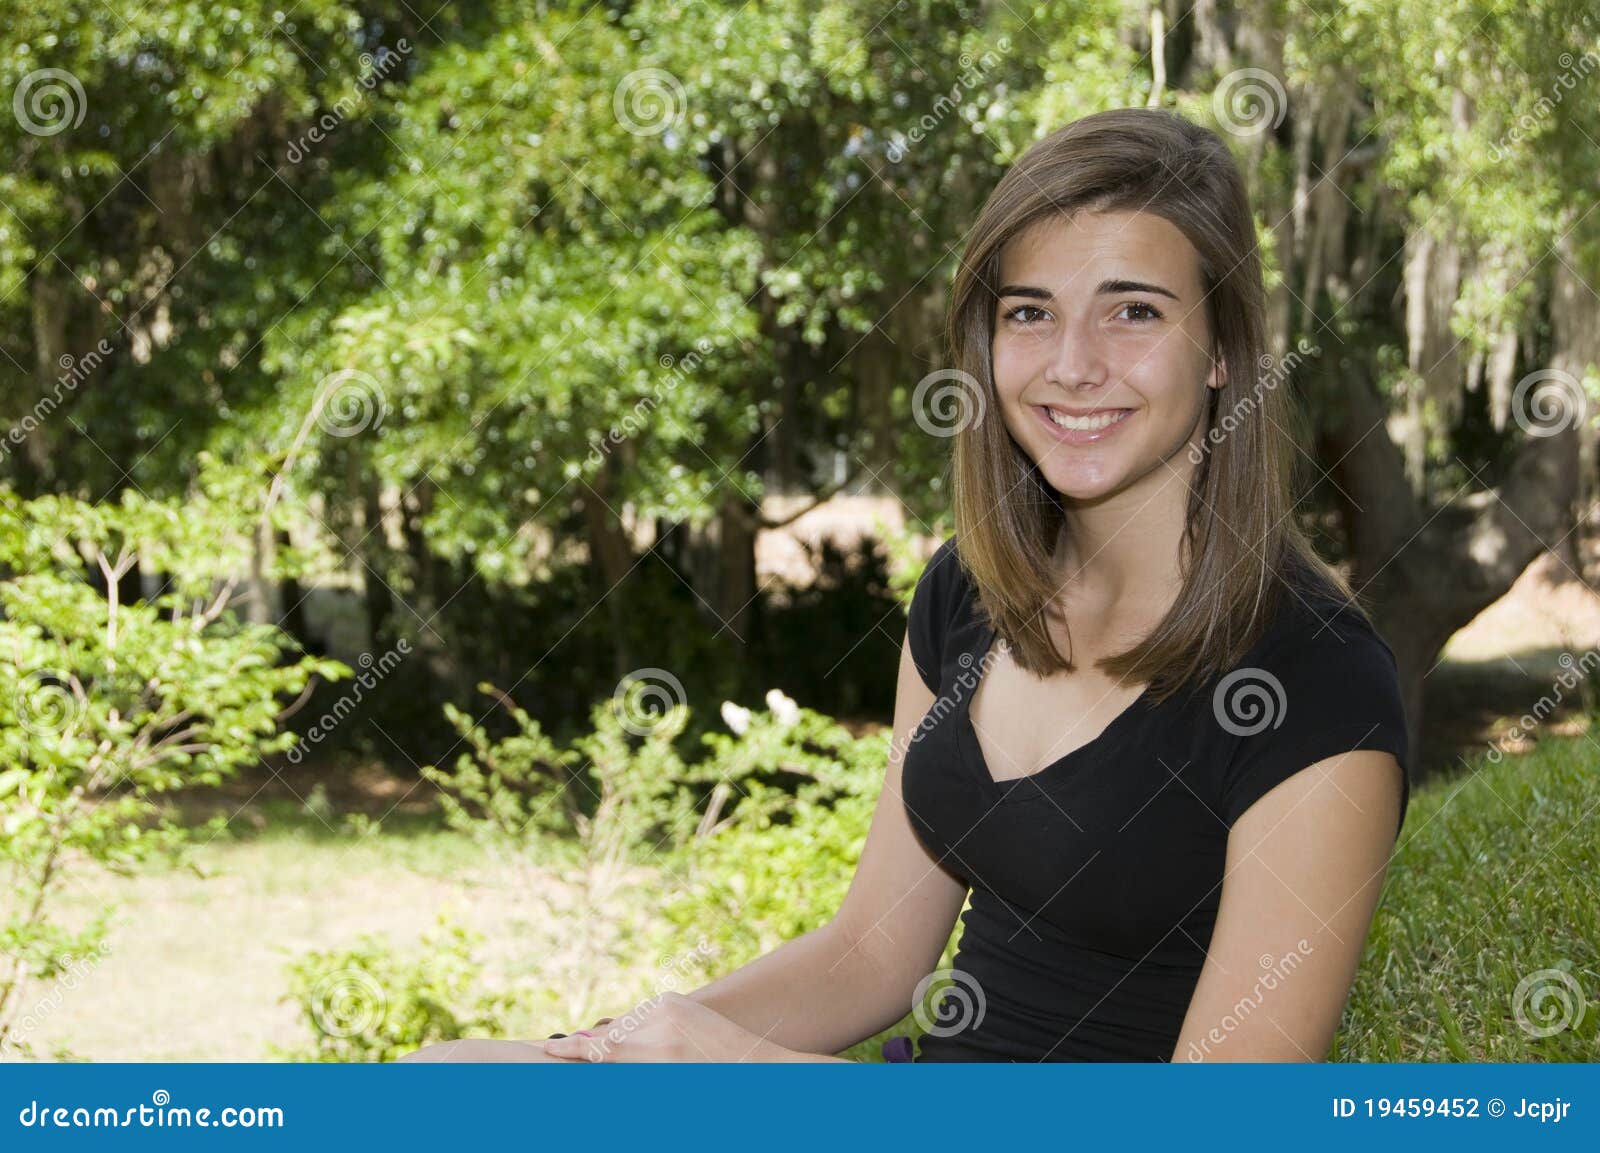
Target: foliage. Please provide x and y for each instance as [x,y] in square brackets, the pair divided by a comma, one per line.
[616,792]
[366,1003]
[106,705]
[778,862]
[746,844]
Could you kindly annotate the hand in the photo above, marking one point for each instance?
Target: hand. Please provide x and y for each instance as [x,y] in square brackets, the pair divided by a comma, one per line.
[671,1027]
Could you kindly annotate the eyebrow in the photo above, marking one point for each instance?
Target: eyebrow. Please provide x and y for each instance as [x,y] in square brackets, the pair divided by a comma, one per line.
[1104,288]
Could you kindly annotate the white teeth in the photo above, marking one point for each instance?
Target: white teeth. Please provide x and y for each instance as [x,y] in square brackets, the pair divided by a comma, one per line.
[1086,423]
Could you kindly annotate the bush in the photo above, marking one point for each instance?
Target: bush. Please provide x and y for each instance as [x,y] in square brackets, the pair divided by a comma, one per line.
[105,704]
[612,796]
[629,851]
[793,793]
[367,1004]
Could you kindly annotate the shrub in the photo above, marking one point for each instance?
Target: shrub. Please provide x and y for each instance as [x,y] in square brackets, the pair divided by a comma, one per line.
[793,793]
[367,1004]
[104,704]
[614,794]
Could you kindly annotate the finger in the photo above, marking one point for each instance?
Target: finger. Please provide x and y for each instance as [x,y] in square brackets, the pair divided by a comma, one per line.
[581,1046]
[593,1028]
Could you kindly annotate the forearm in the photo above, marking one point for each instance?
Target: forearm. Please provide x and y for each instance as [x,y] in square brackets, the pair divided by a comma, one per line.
[813,995]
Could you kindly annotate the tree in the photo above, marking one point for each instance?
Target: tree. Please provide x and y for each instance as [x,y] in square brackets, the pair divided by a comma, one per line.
[563,276]
[1433,237]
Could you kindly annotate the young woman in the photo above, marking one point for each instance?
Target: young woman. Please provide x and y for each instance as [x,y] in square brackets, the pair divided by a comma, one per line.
[1138,721]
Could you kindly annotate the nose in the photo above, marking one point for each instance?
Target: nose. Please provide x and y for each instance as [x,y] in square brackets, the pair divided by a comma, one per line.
[1078,361]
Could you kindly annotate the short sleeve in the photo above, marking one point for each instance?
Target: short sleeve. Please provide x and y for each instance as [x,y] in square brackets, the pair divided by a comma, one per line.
[1319,693]
[928,619]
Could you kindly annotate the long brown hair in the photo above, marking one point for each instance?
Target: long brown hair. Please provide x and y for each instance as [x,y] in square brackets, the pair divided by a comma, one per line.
[1241,543]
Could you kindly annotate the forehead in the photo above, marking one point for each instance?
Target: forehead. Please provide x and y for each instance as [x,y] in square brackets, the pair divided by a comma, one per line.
[1076,253]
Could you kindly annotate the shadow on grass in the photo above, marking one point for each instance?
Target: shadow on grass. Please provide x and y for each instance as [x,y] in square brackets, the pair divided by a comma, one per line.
[1468,705]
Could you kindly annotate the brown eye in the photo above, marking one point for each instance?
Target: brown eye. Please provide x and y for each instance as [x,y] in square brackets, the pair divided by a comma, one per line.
[1016,314]
[1152,313]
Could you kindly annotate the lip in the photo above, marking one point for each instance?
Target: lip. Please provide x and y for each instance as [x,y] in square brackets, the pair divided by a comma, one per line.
[1078,435]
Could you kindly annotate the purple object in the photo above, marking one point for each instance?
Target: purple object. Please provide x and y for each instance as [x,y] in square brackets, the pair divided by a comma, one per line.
[898,1048]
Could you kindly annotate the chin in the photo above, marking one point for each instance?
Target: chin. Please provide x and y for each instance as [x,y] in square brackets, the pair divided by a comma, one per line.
[1084,485]
[1082,474]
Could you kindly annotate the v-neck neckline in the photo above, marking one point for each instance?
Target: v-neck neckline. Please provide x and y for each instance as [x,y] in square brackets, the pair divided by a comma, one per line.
[967,736]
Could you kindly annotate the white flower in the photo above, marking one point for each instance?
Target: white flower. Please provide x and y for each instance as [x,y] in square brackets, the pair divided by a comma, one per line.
[736,718]
[783,708]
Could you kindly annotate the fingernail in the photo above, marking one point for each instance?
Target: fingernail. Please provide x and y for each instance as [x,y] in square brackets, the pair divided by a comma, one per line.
[585,1033]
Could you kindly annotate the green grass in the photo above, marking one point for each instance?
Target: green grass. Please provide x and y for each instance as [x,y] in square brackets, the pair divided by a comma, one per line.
[1496,878]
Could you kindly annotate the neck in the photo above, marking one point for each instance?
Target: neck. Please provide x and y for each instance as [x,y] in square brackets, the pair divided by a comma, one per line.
[1128,544]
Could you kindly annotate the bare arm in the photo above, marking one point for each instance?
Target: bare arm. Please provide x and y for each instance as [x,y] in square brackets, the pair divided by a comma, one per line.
[1305,868]
[853,977]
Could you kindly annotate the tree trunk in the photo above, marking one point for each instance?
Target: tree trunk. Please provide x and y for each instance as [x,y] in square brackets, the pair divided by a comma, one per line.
[34,463]
[258,607]
[737,525]
[373,551]
[611,555]
[291,600]
[1427,572]
[426,599]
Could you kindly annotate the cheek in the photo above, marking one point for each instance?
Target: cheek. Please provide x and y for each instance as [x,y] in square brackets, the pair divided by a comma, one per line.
[1015,362]
[1168,397]
[1004,363]
[1172,382]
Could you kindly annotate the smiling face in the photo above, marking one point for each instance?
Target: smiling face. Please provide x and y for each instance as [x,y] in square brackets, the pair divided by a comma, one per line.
[1101,351]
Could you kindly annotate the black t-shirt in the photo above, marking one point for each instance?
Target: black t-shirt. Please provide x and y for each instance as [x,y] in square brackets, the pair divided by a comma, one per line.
[1095,881]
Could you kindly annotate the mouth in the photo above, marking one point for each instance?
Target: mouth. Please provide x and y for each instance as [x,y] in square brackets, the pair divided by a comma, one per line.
[1084,426]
